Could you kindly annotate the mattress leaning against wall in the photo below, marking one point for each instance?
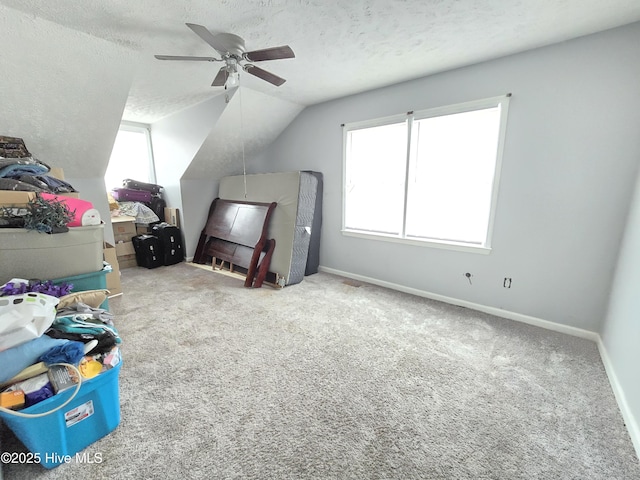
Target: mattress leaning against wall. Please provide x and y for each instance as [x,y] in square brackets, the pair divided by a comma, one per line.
[292,221]
[313,257]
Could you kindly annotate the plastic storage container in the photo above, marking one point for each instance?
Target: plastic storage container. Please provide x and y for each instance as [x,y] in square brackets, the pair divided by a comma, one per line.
[88,281]
[58,437]
[29,254]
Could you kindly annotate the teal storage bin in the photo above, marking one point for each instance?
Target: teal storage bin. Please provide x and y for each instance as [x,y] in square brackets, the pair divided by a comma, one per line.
[57,438]
[88,281]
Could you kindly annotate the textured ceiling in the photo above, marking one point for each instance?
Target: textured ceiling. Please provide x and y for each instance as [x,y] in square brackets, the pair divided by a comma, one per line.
[342,46]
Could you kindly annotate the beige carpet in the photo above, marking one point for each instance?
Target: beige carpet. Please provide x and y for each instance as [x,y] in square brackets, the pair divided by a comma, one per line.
[335,379]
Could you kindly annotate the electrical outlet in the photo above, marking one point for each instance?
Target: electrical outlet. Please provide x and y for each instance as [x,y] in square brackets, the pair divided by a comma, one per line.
[507,282]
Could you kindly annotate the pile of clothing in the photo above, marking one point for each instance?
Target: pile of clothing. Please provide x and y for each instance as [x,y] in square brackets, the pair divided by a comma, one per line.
[28,174]
[80,333]
[21,172]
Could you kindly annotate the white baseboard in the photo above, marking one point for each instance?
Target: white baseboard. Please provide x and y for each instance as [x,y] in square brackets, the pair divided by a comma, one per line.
[627,414]
[633,427]
[499,312]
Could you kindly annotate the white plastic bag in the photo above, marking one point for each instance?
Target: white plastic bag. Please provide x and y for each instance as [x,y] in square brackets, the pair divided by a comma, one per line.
[25,317]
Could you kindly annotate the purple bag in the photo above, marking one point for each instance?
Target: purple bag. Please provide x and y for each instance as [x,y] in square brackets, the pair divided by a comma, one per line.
[130,195]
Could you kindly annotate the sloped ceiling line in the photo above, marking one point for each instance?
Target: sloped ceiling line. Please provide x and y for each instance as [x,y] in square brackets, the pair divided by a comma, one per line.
[248,124]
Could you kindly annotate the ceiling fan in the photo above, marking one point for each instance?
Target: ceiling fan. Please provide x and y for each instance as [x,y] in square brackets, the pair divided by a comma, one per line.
[233,53]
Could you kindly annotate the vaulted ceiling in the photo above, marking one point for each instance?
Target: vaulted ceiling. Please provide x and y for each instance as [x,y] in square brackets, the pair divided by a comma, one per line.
[342,47]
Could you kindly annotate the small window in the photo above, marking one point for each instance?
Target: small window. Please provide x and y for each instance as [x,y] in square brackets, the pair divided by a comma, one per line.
[429,176]
[131,157]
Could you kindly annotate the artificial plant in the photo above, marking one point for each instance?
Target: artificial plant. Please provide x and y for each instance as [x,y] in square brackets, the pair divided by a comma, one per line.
[48,216]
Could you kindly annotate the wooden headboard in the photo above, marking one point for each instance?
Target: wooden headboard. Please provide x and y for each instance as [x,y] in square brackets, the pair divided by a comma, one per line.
[236,232]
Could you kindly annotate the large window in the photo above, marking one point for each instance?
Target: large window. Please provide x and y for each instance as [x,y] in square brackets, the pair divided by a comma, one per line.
[131,157]
[428,177]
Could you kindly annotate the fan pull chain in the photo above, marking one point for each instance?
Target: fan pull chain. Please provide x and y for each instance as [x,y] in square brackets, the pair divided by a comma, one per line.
[244,166]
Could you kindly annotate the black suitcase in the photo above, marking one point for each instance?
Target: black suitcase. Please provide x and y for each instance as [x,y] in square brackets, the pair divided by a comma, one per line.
[137,185]
[148,251]
[171,241]
[158,204]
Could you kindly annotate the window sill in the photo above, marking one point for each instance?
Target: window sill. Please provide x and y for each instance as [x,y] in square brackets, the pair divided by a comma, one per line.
[460,247]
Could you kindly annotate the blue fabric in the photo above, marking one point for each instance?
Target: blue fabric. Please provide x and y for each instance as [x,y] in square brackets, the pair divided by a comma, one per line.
[56,185]
[71,352]
[83,324]
[14,360]
[12,170]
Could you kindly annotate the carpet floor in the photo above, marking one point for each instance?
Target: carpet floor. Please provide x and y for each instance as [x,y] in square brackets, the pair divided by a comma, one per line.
[336,379]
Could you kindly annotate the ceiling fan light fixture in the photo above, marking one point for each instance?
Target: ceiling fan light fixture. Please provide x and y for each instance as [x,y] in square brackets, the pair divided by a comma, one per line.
[233,76]
[233,80]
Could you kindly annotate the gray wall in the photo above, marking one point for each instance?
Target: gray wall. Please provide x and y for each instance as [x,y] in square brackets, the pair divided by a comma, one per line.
[198,195]
[569,164]
[621,332]
[176,140]
[94,191]
[240,123]
[54,81]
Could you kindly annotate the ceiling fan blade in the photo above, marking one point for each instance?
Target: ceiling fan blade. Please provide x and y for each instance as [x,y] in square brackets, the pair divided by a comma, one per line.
[208,37]
[229,43]
[181,57]
[221,77]
[274,53]
[264,75]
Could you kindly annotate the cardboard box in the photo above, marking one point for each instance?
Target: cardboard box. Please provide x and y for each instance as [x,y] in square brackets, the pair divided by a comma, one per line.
[113,278]
[56,172]
[70,194]
[123,228]
[19,199]
[127,261]
[29,254]
[172,216]
[126,237]
[124,248]
[143,229]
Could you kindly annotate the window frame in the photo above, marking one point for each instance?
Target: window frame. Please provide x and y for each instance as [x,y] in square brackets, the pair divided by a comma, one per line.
[501,101]
[146,130]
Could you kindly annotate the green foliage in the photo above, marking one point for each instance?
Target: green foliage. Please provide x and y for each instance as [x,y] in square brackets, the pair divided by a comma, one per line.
[47,215]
